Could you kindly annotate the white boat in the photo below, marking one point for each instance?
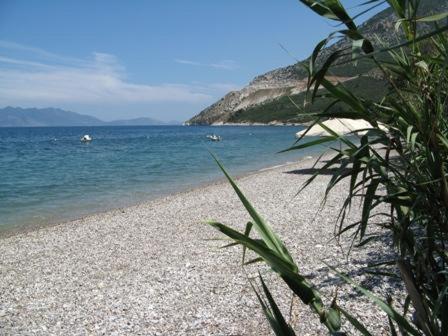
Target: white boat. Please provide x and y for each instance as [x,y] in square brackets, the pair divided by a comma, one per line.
[214,137]
[86,138]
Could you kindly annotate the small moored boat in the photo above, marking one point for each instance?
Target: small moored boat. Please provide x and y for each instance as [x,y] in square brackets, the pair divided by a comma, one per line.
[214,137]
[86,138]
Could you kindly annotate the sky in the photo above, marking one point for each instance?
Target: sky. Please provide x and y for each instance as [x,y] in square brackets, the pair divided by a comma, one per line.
[146,58]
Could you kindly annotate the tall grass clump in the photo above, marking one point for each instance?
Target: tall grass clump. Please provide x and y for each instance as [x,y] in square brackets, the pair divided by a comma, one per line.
[400,163]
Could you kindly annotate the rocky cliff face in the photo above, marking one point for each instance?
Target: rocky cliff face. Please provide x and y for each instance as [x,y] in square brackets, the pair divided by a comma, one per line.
[292,79]
[263,88]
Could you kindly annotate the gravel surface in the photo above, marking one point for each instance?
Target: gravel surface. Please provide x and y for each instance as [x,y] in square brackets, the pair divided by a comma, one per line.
[151,269]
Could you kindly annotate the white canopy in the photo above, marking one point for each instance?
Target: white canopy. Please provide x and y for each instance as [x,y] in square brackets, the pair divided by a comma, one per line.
[340,126]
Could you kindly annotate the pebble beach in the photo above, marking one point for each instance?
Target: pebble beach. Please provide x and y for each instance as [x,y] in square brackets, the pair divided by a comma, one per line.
[156,268]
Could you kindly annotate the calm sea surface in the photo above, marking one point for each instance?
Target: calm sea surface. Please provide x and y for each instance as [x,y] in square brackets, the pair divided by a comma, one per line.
[48,175]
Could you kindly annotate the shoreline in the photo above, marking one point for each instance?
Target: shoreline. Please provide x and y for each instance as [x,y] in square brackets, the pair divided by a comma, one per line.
[7,233]
[156,269]
[248,124]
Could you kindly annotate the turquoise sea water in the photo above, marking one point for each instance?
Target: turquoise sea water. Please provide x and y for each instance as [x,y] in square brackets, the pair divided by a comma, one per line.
[48,175]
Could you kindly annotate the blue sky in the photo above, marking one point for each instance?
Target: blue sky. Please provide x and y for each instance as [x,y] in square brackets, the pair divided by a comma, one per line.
[163,59]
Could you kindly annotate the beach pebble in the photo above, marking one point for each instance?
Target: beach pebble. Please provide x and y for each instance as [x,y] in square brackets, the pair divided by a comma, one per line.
[154,268]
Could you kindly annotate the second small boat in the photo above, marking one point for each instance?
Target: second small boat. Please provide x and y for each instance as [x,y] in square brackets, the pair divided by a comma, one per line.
[214,137]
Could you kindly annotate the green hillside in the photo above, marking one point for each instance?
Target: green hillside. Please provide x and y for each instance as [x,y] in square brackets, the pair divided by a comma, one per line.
[284,110]
[245,105]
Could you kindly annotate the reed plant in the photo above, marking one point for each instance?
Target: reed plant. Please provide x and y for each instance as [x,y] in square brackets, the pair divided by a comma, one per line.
[399,164]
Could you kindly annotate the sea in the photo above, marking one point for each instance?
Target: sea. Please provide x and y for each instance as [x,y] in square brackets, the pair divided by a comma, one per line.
[48,175]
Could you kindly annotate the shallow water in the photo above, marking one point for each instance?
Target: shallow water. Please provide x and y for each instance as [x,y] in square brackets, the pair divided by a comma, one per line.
[48,175]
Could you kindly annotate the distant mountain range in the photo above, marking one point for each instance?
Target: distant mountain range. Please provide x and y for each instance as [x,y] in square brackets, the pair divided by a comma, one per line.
[47,117]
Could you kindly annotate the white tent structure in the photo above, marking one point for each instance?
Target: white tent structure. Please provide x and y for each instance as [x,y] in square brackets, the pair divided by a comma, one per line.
[338,125]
